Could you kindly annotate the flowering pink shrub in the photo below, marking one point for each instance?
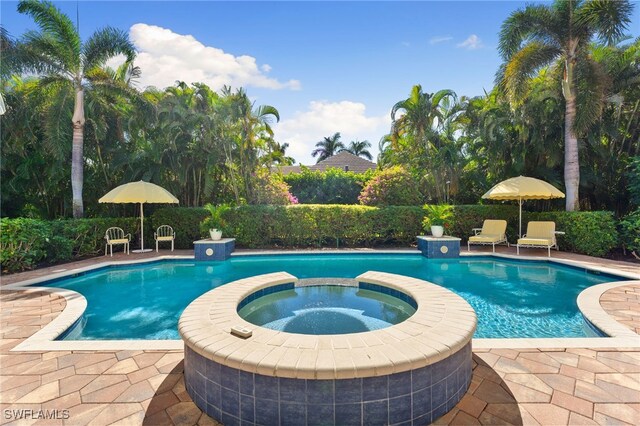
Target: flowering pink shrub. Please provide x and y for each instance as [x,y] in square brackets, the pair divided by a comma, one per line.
[391,187]
[271,189]
[292,198]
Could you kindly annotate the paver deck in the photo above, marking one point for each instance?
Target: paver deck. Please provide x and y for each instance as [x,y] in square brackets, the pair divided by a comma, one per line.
[509,386]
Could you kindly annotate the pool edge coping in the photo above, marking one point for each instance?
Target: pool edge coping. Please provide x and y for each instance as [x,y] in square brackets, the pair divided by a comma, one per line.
[36,342]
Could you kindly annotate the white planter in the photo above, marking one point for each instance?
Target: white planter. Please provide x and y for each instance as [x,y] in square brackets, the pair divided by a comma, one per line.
[437,231]
[216,234]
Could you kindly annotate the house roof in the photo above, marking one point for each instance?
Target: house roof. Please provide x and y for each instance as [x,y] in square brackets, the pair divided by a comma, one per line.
[346,161]
[343,160]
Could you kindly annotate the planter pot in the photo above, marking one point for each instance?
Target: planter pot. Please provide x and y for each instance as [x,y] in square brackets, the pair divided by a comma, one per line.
[216,234]
[437,231]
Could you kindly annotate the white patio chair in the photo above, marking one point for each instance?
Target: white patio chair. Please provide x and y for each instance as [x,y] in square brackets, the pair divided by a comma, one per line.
[164,233]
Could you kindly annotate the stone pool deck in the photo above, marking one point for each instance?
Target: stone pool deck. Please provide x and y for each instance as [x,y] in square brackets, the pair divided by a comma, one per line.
[509,386]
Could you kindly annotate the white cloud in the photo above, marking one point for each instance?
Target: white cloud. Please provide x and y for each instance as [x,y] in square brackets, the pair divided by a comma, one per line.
[405,44]
[323,118]
[165,56]
[472,42]
[439,39]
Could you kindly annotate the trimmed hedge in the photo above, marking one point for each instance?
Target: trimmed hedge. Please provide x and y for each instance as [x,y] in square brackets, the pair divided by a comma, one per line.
[25,243]
[185,222]
[333,186]
[467,217]
[322,225]
[590,233]
[630,231]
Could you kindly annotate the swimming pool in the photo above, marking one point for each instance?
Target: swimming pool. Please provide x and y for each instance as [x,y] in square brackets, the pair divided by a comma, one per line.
[512,298]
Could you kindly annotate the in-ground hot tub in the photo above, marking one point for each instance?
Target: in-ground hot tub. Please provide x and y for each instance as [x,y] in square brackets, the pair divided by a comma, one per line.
[413,371]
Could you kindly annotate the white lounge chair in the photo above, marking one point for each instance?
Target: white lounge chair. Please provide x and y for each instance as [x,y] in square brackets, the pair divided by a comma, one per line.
[116,236]
[164,233]
[492,232]
[539,235]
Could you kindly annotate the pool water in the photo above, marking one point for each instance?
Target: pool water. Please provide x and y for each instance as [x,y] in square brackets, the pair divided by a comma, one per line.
[511,298]
[326,309]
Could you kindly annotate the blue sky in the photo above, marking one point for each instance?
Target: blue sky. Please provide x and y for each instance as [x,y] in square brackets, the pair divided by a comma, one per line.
[327,66]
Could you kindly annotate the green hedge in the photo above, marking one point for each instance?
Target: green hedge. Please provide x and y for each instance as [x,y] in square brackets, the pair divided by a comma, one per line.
[322,225]
[630,231]
[333,186]
[185,222]
[590,233]
[467,217]
[25,243]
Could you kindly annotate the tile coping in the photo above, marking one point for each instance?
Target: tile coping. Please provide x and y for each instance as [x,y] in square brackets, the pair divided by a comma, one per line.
[76,304]
[442,325]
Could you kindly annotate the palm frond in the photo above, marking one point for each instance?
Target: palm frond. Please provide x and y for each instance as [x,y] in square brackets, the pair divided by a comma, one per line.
[105,44]
[41,53]
[534,22]
[53,23]
[526,63]
[608,18]
[593,86]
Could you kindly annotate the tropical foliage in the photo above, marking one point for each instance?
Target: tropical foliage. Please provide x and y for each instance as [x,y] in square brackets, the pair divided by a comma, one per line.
[559,36]
[360,148]
[566,109]
[328,147]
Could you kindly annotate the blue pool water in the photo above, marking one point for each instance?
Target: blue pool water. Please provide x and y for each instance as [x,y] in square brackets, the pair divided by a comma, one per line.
[326,309]
[511,298]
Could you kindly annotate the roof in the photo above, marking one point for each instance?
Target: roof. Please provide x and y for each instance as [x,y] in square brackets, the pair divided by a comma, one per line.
[346,161]
[343,160]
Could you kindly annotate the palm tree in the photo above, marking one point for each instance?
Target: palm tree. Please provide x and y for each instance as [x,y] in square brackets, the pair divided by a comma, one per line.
[560,34]
[328,147]
[65,62]
[360,148]
[421,114]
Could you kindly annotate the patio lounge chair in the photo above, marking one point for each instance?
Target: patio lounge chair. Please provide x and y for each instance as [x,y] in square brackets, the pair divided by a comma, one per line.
[115,236]
[164,233]
[492,232]
[539,235]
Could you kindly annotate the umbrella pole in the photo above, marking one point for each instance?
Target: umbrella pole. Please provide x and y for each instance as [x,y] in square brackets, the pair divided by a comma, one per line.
[142,249]
[142,227]
[520,202]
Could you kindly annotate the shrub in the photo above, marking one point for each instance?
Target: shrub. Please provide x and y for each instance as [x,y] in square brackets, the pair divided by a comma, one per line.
[333,186]
[185,222]
[590,233]
[271,189]
[87,235]
[630,231]
[322,225]
[23,243]
[391,187]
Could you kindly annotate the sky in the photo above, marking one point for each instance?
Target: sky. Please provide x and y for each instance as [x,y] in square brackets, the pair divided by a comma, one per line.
[326,66]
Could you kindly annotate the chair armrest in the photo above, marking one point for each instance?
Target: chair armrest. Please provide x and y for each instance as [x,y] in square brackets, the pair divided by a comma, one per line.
[559,232]
[476,230]
[128,237]
[155,236]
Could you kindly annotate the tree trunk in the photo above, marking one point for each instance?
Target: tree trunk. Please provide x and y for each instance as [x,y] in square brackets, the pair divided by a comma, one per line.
[571,163]
[77,158]
[571,160]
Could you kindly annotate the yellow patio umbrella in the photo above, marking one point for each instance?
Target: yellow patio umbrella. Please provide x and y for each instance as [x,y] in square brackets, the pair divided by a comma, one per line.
[523,188]
[139,192]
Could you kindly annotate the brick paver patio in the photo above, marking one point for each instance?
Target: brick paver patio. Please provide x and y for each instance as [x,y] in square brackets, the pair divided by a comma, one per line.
[509,386]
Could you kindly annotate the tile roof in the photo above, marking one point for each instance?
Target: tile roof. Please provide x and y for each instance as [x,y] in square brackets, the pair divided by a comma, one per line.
[343,160]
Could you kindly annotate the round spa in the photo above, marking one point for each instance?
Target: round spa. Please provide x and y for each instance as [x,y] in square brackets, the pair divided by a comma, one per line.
[259,351]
